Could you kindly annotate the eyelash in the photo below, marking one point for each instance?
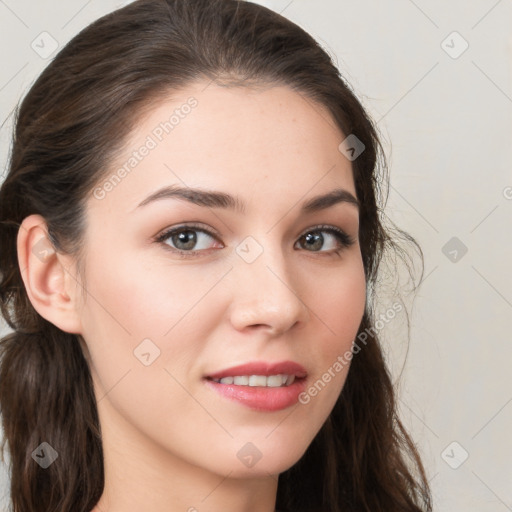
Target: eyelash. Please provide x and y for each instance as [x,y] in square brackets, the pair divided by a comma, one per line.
[343,238]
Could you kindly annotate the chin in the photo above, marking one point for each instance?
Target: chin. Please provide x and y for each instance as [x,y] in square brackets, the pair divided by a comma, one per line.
[265,458]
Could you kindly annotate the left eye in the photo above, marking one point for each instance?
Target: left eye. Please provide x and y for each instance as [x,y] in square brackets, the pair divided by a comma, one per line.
[314,239]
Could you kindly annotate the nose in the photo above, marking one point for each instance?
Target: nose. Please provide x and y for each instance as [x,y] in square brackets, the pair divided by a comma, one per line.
[266,295]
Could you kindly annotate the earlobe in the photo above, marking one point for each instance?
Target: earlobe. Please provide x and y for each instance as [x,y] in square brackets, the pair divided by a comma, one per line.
[46,275]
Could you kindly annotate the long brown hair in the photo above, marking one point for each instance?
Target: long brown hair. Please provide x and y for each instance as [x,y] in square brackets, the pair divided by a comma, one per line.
[70,125]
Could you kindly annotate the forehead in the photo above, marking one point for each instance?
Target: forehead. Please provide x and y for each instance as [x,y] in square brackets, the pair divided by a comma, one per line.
[266,143]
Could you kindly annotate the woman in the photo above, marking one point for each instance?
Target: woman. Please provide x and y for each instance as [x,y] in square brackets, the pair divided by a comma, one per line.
[190,237]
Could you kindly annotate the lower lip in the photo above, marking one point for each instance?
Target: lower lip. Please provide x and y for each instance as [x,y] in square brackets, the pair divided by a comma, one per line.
[261,398]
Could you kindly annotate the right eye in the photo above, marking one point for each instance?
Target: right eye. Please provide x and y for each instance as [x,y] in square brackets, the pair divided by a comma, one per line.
[187,240]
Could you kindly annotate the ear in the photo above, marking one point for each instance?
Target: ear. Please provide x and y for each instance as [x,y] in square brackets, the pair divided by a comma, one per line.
[49,277]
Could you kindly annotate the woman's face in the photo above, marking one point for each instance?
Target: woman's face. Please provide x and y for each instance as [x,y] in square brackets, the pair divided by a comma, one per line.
[249,275]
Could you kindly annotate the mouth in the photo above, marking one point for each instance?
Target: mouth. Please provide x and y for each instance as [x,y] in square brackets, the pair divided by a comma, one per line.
[270,381]
[261,386]
[261,373]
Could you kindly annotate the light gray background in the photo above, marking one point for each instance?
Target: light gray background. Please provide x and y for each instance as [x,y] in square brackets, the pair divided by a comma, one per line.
[446,120]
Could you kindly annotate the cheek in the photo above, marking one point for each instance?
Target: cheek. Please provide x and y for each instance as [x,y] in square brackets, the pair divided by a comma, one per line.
[130,302]
[142,296]
[144,330]
[339,310]
[340,305]
[344,303]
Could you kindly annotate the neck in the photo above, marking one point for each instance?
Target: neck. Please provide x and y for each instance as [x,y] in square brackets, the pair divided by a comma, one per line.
[140,475]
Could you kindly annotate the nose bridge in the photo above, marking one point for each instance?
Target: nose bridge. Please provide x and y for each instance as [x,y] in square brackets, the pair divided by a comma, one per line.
[265,293]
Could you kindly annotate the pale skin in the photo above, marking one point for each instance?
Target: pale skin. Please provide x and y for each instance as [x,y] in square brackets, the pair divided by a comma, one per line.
[170,442]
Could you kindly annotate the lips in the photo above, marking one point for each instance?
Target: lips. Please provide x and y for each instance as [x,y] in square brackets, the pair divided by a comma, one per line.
[262,368]
[244,384]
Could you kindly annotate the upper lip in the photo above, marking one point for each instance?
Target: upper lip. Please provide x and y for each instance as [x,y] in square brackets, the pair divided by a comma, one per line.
[262,368]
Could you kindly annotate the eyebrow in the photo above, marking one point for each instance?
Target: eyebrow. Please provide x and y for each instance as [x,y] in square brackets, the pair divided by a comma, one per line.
[214,199]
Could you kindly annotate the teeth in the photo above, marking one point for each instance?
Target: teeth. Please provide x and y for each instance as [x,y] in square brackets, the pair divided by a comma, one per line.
[257,380]
[272,381]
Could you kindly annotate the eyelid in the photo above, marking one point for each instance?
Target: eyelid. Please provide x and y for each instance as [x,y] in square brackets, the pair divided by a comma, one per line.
[327,227]
[166,233]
